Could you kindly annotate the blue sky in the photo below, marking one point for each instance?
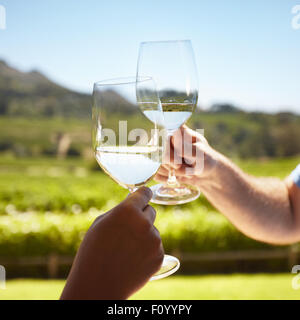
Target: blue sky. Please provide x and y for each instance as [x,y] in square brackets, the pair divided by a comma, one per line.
[246,51]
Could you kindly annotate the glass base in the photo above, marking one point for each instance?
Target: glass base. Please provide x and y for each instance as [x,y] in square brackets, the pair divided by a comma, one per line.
[169,266]
[183,193]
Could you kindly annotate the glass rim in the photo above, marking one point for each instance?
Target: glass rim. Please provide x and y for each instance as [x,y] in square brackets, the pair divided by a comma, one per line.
[121,81]
[166,41]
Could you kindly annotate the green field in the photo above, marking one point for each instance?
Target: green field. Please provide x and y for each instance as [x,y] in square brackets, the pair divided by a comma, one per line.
[46,205]
[48,184]
[241,134]
[259,286]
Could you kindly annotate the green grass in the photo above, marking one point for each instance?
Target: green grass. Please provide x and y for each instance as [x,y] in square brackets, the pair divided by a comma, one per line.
[220,287]
[234,134]
[36,134]
[48,184]
[256,286]
[45,188]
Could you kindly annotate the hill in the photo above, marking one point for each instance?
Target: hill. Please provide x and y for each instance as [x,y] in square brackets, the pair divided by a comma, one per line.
[33,94]
[34,112]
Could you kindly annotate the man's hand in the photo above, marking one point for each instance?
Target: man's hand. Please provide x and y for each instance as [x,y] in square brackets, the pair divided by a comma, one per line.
[191,156]
[120,252]
[265,209]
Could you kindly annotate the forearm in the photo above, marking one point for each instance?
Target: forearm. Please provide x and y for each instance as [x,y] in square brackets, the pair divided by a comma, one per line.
[259,207]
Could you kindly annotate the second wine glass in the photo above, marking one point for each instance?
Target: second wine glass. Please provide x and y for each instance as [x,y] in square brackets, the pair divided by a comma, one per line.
[171,64]
[125,142]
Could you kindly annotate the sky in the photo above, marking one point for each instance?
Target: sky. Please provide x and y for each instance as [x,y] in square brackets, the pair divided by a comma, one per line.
[247,51]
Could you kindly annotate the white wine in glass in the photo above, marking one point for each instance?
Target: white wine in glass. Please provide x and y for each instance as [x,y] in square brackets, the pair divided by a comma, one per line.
[130,166]
[171,65]
[126,142]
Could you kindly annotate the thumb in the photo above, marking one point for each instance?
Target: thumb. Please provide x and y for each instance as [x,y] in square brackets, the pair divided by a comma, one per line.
[140,197]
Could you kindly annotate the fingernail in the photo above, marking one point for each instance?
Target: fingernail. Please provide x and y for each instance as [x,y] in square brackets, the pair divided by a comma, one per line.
[146,190]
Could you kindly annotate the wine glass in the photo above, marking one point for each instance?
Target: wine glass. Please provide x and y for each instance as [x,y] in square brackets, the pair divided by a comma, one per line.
[171,65]
[126,143]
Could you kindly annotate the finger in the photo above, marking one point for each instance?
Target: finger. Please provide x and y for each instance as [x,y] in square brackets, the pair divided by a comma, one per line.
[150,214]
[168,150]
[160,178]
[196,136]
[140,198]
[183,171]
[186,179]
[178,141]
[171,157]
[163,170]
[180,138]
[101,216]
[191,152]
[176,152]
[157,235]
[189,133]
[188,137]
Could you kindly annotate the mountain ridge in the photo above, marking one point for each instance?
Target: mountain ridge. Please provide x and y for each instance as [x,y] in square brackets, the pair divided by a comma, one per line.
[33,94]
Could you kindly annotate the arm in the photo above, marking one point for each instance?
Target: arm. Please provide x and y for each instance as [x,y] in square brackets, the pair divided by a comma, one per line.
[266,209]
[259,207]
[120,252]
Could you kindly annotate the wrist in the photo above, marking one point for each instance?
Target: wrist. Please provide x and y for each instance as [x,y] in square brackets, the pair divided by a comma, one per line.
[213,168]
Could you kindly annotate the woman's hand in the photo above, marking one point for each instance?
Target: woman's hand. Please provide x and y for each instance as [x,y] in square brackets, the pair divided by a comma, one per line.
[120,252]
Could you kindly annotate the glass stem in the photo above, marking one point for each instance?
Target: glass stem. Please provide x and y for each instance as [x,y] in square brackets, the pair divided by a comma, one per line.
[172,180]
[132,189]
